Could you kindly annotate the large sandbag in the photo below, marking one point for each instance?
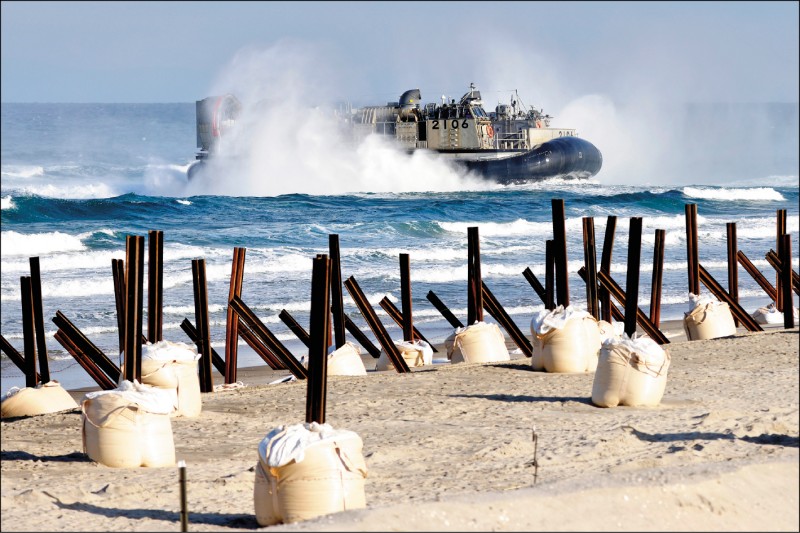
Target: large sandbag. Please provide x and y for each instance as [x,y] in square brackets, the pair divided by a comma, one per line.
[417,353]
[173,366]
[129,426]
[568,340]
[346,361]
[49,397]
[308,470]
[630,372]
[708,319]
[482,342]
[771,315]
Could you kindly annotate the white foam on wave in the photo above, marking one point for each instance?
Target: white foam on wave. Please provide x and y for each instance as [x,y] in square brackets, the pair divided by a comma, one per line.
[737,195]
[7,203]
[71,191]
[183,202]
[15,243]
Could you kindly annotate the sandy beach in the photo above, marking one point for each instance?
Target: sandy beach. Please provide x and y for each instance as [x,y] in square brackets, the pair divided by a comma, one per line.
[449,448]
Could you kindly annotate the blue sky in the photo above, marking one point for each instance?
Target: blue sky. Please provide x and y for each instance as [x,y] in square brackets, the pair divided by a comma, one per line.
[373,51]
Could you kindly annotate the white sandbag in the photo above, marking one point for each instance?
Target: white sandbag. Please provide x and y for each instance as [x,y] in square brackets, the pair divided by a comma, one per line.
[630,372]
[568,338]
[771,315]
[173,366]
[129,426]
[482,342]
[707,319]
[49,397]
[308,470]
[346,361]
[417,353]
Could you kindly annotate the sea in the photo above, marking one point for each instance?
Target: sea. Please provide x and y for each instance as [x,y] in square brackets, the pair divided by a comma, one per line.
[77,179]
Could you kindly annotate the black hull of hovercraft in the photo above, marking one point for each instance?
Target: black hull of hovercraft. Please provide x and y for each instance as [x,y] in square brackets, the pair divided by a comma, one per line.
[565,157]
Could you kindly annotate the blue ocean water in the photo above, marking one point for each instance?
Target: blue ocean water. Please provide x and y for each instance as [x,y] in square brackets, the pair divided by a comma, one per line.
[78,178]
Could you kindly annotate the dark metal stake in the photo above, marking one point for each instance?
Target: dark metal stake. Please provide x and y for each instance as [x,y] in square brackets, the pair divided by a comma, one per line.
[618,294]
[500,314]
[756,274]
[395,314]
[232,320]
[658,274]
[405,297]
[192,333]
[201,318]
[590,261]
[362,339]
[537,286]
[780,230]
[549,274]
[632,277]
[252,321]
[560,252]
[184,508]
[134,305]
[337,298]
[736,310]
[155,287]
[474,293]
[86,346]
[375,325]
[38,319]
[118,272]
[318,351]
[692,257]
[605,265]
[775,262]
[85,361]
[28,335]
[733,265]
[786,280]
[446,313]
[14,355]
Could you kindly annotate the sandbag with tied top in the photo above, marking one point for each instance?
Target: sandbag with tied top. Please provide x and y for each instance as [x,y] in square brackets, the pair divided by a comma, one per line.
[49,397]
[566,340]
[129,426]
[308,470]
[707,319]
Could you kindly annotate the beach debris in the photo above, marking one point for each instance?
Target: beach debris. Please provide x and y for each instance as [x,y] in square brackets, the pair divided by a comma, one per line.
[535,455]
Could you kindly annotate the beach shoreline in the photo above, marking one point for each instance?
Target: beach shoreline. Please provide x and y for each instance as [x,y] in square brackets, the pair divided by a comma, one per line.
[449,448]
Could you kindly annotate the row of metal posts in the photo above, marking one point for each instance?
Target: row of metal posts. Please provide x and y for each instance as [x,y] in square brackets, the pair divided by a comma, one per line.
[599,285]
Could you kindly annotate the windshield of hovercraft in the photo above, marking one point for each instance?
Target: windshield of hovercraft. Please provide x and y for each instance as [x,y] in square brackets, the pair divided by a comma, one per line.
[458,111]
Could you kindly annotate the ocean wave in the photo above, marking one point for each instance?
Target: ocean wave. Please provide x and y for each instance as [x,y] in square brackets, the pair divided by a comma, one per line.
[71,191]
[7,203]
[15,243]
[737,195]
[183,202]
